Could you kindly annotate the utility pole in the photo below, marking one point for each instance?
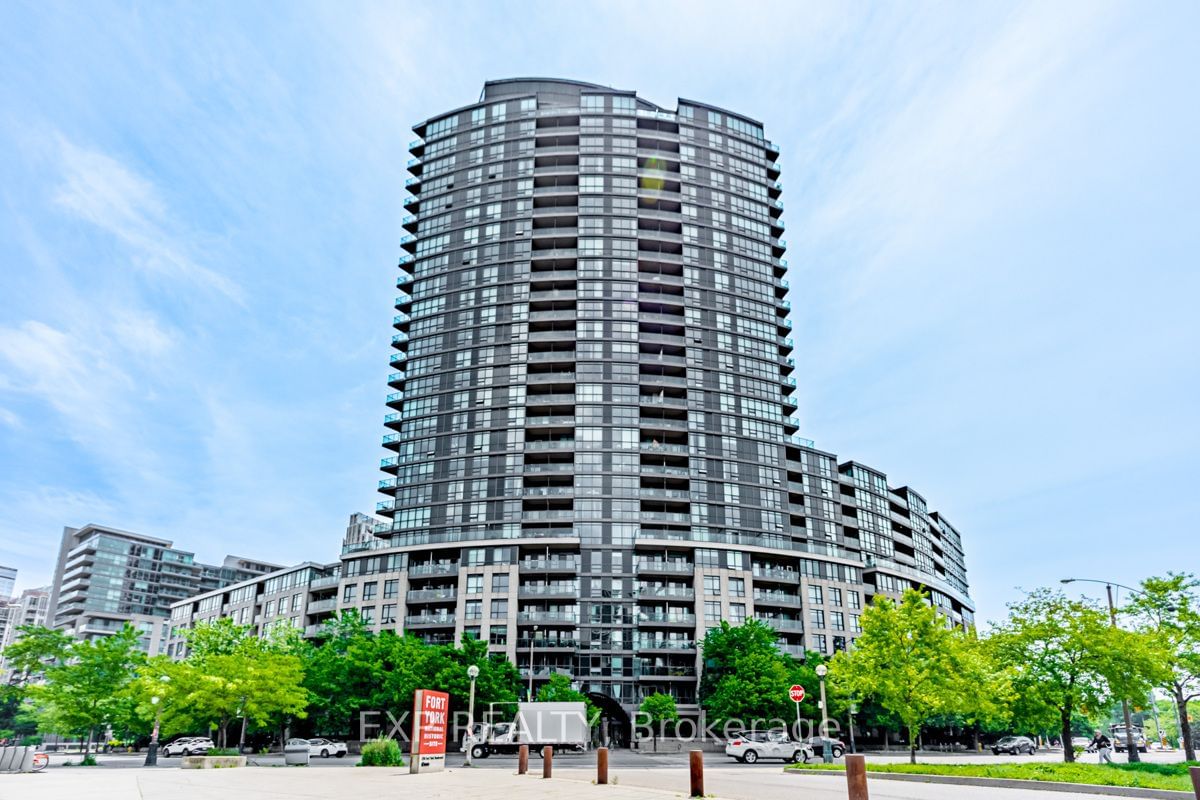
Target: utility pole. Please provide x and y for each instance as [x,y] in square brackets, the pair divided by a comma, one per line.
[1131,750]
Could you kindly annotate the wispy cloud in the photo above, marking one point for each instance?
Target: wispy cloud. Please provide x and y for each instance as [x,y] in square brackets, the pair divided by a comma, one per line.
[101,190]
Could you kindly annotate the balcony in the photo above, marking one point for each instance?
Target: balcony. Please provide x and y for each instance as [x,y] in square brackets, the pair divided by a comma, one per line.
[793,650]
[665,494]
[549,491]
[322,606]
[561,617]
[546,643]
[564,467]
[776,598]
[662,618]
[671,592]
[550,444]
[652,446]
[659,469]
[548,514]
[433,568]
[674,645]
[552,590]
[428,620]
[430,595]
[552,564]
[665,671]
[666,516]
[666,567]
[783,625]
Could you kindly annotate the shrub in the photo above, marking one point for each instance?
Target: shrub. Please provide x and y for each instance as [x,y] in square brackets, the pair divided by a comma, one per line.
[223,751]
[381,752]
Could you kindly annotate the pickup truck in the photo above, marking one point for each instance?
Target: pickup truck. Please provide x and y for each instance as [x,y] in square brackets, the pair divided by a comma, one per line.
[561,726]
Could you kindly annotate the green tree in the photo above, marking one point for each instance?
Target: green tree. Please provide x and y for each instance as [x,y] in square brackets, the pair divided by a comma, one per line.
[230,673]
[85,682]
[906,659]
[1170,612]
[658,710]
[350,670]
[1064,656]
[499,682]
[746,677]
[559,690]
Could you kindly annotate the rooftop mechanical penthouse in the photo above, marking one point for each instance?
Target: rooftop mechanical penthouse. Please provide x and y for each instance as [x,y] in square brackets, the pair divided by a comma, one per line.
[593,451]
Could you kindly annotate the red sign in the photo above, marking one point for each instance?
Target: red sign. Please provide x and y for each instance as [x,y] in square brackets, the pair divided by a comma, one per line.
[431,722]
[796,693]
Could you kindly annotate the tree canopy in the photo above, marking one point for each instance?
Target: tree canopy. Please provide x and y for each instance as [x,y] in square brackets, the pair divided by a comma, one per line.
[1065,656]
[1169,611]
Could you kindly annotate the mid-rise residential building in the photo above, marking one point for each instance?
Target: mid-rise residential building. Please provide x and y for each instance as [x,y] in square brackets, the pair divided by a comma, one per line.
[106,577]
[28,609]
[303,597]
[8,582]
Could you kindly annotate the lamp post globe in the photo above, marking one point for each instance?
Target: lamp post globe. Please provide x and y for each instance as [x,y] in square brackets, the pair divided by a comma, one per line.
[152,749]
[472,673]
[826,748]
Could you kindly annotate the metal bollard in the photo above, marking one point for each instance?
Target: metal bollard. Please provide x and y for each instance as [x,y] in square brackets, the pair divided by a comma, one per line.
[856,777]
[523,760]
[696,765]
[1195,771]
[547,761]
[601,765]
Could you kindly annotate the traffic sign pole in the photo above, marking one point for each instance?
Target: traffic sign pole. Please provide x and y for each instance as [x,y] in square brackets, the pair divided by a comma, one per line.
[796,693]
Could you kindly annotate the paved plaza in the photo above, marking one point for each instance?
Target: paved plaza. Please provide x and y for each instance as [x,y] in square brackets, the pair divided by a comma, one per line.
[665,778]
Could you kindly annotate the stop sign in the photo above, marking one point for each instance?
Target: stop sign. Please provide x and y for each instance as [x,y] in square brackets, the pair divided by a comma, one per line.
[796,693]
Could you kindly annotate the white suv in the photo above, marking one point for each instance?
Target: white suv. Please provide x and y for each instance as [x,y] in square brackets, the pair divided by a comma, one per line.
[188,746]
[326,748]
[749,746]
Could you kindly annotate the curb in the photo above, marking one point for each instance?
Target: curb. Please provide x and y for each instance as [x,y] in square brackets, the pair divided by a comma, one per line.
[1013,783]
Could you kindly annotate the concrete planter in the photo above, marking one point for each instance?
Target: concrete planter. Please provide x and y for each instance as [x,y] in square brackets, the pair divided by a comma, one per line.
[212,762]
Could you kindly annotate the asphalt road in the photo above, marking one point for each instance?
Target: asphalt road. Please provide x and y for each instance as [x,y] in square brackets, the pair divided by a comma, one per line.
[634,760]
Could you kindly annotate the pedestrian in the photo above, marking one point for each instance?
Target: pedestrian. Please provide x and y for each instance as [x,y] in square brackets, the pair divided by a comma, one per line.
[1103,746]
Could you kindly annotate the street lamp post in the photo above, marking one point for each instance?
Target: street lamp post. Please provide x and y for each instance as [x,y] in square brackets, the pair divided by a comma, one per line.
[853,711]
[472,673]
[826,749]
[152,749]
[1131,750]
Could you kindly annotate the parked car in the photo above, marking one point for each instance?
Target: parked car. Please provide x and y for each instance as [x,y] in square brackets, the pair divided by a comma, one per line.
[188,746]
[749,746]
[817,743]
[326,748]
[1016,745]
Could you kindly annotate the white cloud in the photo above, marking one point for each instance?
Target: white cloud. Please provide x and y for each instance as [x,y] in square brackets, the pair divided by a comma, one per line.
[104,192]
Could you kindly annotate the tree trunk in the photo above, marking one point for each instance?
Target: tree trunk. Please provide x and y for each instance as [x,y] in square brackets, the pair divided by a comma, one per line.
[242,738]
[912,744]
[1068,749]
[975,738]
[87,747]
[1185,726]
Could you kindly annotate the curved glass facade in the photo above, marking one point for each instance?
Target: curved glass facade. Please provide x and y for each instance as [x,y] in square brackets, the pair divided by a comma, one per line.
[593,454]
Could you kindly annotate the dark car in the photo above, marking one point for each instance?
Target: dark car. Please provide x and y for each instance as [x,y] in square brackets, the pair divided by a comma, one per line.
[837,747]
[1015,745]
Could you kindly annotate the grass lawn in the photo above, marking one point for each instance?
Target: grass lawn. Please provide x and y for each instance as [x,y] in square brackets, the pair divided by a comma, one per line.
[1147,776]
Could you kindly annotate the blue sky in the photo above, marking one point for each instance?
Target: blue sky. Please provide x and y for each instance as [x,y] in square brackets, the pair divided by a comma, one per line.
[991,207]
